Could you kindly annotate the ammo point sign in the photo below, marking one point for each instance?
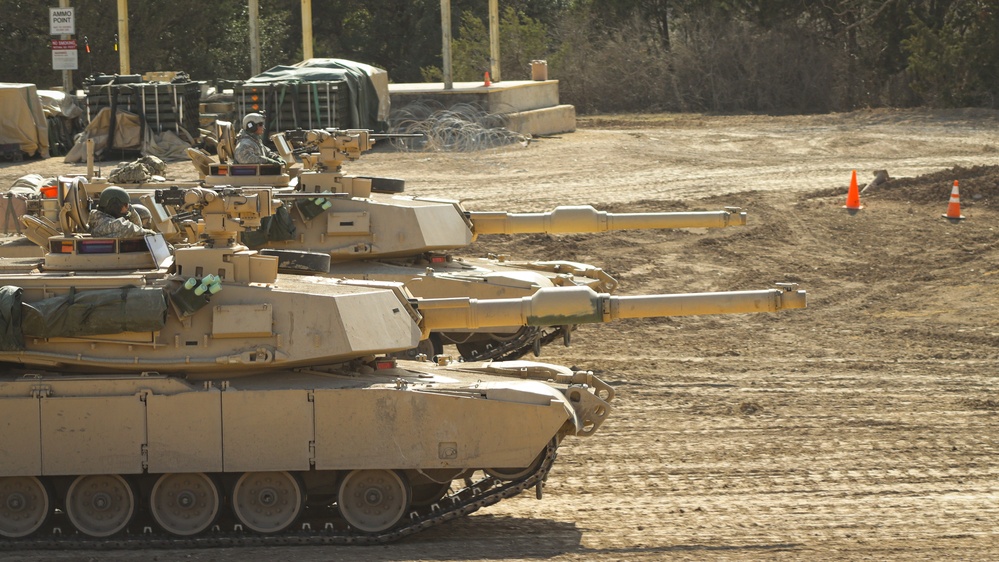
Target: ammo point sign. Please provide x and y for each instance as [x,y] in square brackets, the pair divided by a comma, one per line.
[61,21]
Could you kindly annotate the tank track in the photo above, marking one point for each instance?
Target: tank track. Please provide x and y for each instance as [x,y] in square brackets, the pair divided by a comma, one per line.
[476,495]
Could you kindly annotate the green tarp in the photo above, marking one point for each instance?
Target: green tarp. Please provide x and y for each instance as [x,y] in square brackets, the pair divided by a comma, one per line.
[10,319]
[92,313]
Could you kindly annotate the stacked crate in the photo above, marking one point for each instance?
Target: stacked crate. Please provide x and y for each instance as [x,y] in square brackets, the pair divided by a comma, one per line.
[164,107]
[294,105]
[213,111]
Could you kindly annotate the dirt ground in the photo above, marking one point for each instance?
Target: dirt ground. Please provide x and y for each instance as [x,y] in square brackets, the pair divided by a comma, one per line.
[864,427]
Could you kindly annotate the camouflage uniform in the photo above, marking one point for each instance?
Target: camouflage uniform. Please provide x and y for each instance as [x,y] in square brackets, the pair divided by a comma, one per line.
[103,225]
[250,149]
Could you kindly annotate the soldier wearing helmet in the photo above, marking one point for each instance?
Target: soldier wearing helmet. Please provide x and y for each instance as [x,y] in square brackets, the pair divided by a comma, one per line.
[114,218]
[250,147]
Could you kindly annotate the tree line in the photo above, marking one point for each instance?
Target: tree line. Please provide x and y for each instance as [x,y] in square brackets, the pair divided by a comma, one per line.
[778,56]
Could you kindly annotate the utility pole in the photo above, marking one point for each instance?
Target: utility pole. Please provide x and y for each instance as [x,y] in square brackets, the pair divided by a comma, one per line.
[446,37]
[494,41]
[254,9]
[306,29]
[126,65]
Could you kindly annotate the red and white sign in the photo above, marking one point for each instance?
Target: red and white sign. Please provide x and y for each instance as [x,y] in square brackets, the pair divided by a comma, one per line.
[64,54]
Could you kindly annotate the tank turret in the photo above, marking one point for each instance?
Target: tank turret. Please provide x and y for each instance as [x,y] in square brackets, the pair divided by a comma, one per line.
[350,229]
[243,327]
[349,222]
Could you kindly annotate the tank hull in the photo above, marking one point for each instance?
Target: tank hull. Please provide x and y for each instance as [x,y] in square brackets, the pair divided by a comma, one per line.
[291,421]
[376,453]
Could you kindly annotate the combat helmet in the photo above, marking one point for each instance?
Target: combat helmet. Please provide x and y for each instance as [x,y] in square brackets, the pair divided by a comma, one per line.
[112,199]
[251,121]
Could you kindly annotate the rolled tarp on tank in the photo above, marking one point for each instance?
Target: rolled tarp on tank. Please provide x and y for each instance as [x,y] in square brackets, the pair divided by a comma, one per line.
[10,319]
[22,120]
[93,313]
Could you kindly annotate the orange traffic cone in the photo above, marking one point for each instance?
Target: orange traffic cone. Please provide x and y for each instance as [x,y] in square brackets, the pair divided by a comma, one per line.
[853,195]
[954,206]
[486,81]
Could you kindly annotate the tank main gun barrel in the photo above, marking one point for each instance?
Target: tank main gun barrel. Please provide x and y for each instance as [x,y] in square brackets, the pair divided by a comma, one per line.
[583,305]
[380,136]
[584,218]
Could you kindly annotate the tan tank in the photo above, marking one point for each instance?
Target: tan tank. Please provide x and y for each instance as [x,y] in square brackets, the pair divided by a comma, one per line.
[202,387]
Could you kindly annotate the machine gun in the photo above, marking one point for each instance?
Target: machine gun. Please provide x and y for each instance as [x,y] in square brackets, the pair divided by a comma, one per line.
[328,149]
[226,212]
[323,153]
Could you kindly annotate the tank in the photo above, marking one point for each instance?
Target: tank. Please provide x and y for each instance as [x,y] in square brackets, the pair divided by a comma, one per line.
[193,395]
[363,228]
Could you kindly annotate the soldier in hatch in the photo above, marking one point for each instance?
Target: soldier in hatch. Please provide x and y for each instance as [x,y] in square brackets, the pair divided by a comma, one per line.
[250,147]
[114,217]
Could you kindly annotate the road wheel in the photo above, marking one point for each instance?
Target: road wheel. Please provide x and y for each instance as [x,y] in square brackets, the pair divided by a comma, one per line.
[100,505]
[24,505]
[184,504]
[373,500]
[267,502]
